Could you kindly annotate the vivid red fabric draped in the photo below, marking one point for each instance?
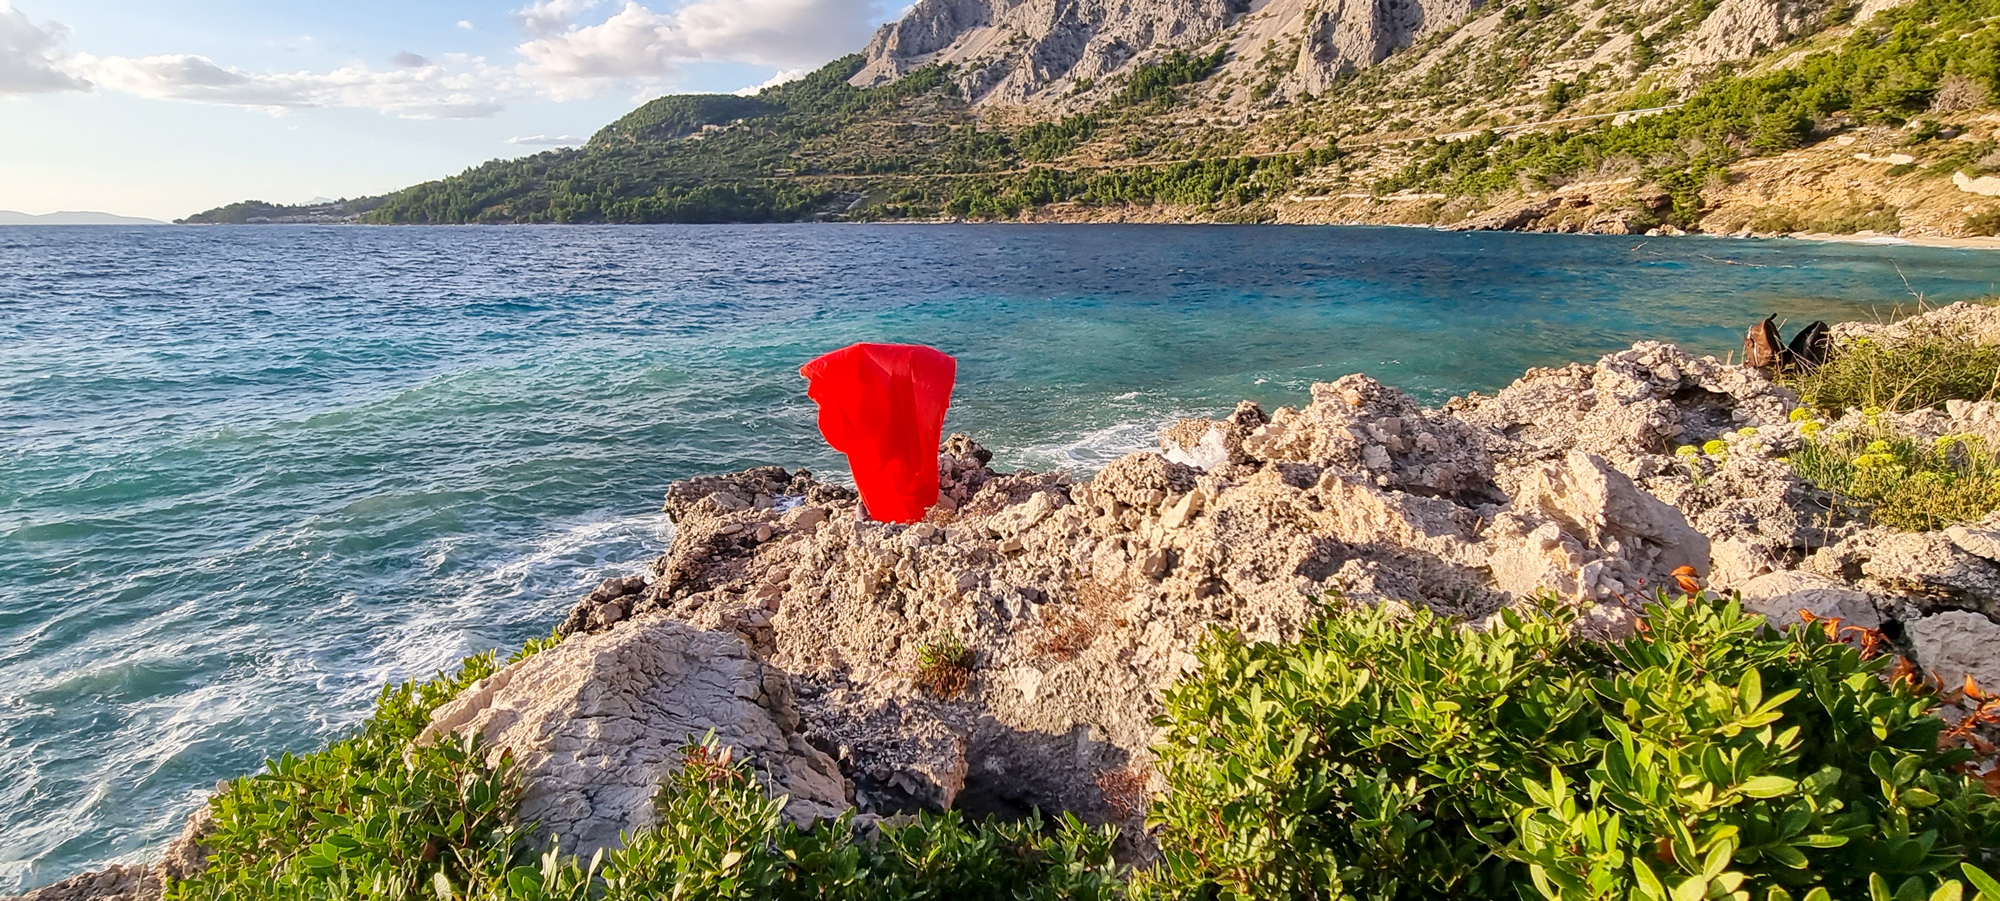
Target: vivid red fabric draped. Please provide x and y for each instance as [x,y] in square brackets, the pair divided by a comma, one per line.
[883,406]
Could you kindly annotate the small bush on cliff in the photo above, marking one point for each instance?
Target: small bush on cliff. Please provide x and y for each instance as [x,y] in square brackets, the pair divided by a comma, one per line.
[1919,371]
[372,816]
[1396,755]
[379,816]
[721,837]
[1901,483]
[944,666]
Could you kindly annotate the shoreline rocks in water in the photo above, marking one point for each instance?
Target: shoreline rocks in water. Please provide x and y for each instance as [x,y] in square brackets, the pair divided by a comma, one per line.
[794,629]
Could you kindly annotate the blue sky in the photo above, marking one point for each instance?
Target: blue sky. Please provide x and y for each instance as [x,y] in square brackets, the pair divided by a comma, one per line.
[159,109]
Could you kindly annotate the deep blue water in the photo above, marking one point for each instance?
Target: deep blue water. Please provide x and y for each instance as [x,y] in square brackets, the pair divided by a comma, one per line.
[247,475]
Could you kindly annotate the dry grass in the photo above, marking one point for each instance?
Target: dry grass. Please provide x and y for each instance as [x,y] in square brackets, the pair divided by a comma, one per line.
[1918,371]
[1127,791]
[1071,629]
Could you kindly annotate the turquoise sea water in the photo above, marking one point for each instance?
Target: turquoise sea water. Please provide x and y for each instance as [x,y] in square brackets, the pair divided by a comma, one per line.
[247,475]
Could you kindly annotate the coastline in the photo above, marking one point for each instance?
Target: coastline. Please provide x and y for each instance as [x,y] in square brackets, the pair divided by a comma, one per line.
[1987,243]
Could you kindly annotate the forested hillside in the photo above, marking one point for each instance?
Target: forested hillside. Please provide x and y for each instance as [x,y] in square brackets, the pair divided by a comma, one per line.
[1602,115]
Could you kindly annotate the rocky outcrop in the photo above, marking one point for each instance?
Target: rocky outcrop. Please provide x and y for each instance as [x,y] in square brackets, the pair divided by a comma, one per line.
[183,858]
[596,723]
[1081,600]
[1010,51]
[1741,29]
[1349,35]
[1020,51]
[118,882]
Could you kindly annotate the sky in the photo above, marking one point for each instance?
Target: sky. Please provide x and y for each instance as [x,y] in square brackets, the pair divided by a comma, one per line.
[162,109]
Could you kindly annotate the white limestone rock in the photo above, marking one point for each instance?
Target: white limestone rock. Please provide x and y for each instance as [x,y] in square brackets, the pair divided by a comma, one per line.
[1955,644]
[597,722]
[1779,596]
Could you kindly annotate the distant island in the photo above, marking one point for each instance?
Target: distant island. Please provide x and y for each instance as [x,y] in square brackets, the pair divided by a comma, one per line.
[1608,116]
[72,217]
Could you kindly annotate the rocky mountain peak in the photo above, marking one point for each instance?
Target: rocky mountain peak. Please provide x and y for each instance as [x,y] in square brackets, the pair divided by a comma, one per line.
[1074,52]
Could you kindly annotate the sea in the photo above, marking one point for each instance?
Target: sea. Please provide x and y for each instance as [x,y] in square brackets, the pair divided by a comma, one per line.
[249,474]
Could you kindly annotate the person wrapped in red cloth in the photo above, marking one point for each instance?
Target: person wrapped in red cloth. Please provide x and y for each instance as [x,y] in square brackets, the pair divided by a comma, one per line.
[883,406]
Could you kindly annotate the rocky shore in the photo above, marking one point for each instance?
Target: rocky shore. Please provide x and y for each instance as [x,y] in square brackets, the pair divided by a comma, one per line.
[807,637]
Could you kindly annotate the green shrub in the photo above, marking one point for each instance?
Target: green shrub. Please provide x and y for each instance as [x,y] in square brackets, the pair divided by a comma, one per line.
[377,816]
[372,816]
[1919,371]
[1383,756]
[944,666]
[1983,223]
[723,838]
[1392,755]
[1901,483]
[1151,82]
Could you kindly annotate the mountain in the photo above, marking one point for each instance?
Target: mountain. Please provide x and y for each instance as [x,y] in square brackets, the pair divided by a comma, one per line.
[1760,116]
[8,217]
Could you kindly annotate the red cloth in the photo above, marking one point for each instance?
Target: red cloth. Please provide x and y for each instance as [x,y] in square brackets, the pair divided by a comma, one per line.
[883,406]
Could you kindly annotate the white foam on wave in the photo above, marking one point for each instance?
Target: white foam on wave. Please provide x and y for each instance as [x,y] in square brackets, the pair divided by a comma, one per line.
[1089,451]
[481,607]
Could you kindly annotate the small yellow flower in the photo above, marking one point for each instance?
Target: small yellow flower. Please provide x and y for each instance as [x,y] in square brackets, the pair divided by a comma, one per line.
[1715,448]
[1802,415]
[1877,446]
[1687,450]
[1871,412]
[1747,431]
[1811,429]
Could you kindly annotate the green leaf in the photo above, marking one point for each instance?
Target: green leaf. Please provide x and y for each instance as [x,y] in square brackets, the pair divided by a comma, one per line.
[1787,855]
[1986,885]
[1768,787]
[1648,886]
[1694,888]
[1717,861]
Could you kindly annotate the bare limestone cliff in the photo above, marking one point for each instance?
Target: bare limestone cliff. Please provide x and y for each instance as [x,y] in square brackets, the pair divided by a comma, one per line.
[1013,51]
[1071,52]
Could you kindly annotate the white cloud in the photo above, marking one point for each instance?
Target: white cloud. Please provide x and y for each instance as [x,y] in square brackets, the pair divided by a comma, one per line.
[546,17]
[563,56]
[638,45]
[786,33]
[31,57]
[465,24]
[429,91]
[546,141]
[783,76]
